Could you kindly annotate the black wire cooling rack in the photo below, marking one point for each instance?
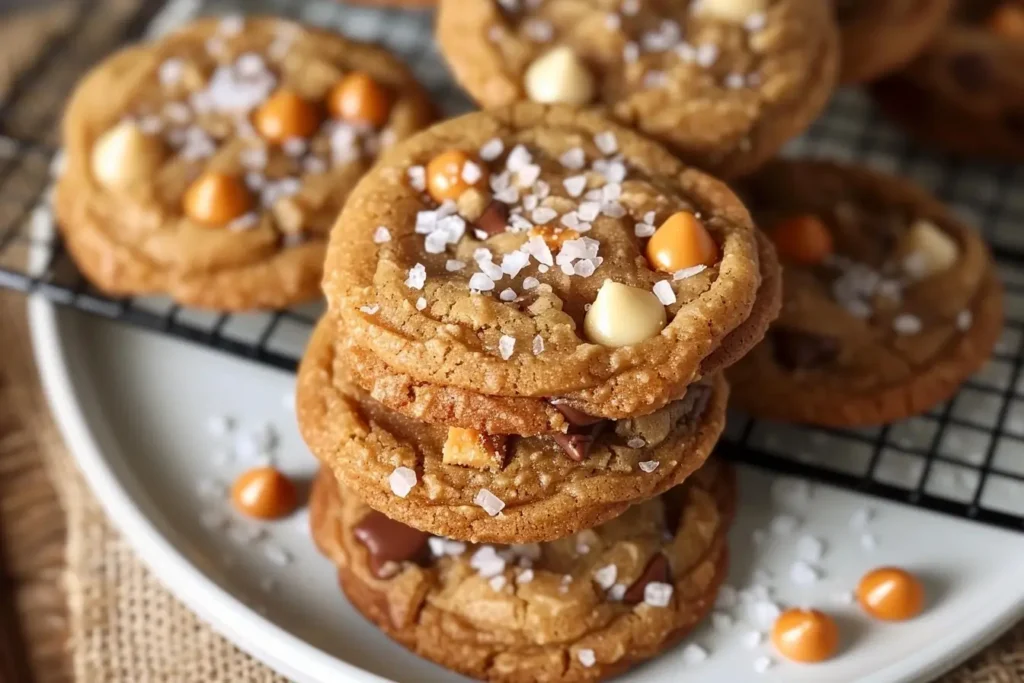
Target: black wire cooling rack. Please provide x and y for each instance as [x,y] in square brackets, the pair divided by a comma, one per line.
[964,458]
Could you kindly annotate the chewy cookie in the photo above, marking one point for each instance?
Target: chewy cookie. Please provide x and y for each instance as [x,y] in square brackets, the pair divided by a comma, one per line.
[889,301]
[498,489]
[582,608]
[879,36]
[542,253]
[210,164]
[723,83]
[965,93]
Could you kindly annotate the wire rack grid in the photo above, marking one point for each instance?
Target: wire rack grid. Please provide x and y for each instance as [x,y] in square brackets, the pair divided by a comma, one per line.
[964,458]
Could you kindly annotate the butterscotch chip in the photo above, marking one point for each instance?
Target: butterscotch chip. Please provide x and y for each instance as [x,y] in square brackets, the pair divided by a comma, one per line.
[724,83]
[585,607]
[242,100]
[881,36]
[541,491]
[863,339]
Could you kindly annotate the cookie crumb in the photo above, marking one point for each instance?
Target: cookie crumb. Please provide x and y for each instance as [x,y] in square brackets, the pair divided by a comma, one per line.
[491,504]
[586,657]
[401,480]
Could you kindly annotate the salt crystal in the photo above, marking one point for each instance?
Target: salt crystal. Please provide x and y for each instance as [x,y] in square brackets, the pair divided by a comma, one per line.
[508,294]
[693,654]
[544,215]
[860,518]
[630,52]
[727,597]
[451,265]
[844,598]
[277,555]
[575,185]
[658,594]
[370,310]
[642,230]
[525,576]
[765,612]
[381,235]
[401,480]
[587,657]
[530,283]
[868,541]
[417,178]
[663,290]
[964,320]
[497,582]
[219,425]
[762,664]
[606,575]
[471,173]
[491,150]
[518,159]
[907,324]
[751,639]
[487,562]
[481,283]
[721,621]
[489,502]
[803,574]
[506,345]
[421,303]
[707,54]
[573,159]
[810,549]
[417,276]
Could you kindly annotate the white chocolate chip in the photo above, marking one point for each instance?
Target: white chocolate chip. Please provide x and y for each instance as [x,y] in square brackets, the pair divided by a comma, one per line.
[622,315]
[737,11]
[125,155]
[927,250]
[559,76]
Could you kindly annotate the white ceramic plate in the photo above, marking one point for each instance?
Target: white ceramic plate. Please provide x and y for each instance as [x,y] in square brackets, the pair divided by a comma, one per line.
[140,413]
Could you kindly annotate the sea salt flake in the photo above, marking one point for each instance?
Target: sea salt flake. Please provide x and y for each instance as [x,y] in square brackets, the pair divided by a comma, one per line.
[860,518]
[648,466]
[518,159]
[810,549]
[573,159]
[417,276]
[491,504]
[506,345]
[471,173]
[638,442]
[417,178]
[575,185]
[530,282]
[508,294]
[606,575]
[584,268]
[525,576]
[663,290]
[543,215]
[277,555]
[421,303]
[803,574]
[381,235]
[907,324]
[487,562]
[642,230]
[844,598]
[727,598]
[764,613]
[497,582]
[763,663]
[630,52]
[401,480]
[721,621]
[538,345]
[480,283]
[369,310]
[694,654]
[751,639]
[491,149]
[868,541]
[658,594]
[452,265]
[964,320]
[606,142]
[587,657]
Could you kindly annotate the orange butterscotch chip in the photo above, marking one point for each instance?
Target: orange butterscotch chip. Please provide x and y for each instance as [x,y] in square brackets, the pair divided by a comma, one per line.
[681,242]
[806,636]
[891,594]
[1007,21]
[264,493]
[215,199]
[553,236]
[358,98]
[286,115]
[447,175]
[470,448]
[803,240]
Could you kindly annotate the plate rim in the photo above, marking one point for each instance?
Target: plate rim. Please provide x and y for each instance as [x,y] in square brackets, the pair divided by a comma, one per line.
[259,637]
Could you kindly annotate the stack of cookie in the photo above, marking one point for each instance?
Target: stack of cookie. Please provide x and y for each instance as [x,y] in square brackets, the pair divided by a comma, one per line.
[210,165]
[529,312]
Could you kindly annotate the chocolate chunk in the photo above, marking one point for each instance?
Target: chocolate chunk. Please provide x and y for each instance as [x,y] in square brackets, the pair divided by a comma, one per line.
[971,71]
[390,542]
[799,350]
[576,418]
[576,446]
[656,570]
[494,219]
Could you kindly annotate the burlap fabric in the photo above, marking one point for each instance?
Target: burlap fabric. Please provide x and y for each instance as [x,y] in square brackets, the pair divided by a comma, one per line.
[87,610]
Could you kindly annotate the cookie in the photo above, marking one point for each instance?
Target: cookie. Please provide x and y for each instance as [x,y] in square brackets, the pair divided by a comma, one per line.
[583,608]
[964,93]
[723,83]
[879,36]
[498,489]
[558,257]
[889,301]
[209,165]
[524,416]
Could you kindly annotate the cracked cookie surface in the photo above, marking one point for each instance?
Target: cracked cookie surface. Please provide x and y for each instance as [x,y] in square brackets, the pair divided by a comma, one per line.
[203,164]
[890,302]
[582,608]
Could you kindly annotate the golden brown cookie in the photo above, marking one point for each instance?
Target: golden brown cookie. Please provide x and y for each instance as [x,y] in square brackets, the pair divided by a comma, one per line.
[879,36]
[543,252]
[457,407]
[475,487]
[965,92]
[889,301]
[723,83]
[210,164]
[582,608]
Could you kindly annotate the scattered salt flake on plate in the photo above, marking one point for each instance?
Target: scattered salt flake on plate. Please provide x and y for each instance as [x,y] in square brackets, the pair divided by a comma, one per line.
[764,613]
[788,490]
[219,425]
[860,518]
[721,621]
[538,345]
[506,345]
[663,290]
[497,582]
[421,303]
[658,594]
[606,575]
[762,664]
[649,466]
[369,310]
[751,639]
[727,597]
[525,576]
[381,235]
[694,654]
[587,657]
[803,574]
[782,525]
[401,480]
[417,276]
[810,549]
[868,541]
[844,598]
[491,504]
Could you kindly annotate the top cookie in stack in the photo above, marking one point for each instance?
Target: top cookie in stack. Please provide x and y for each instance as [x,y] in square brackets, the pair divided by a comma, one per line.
[528,308]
